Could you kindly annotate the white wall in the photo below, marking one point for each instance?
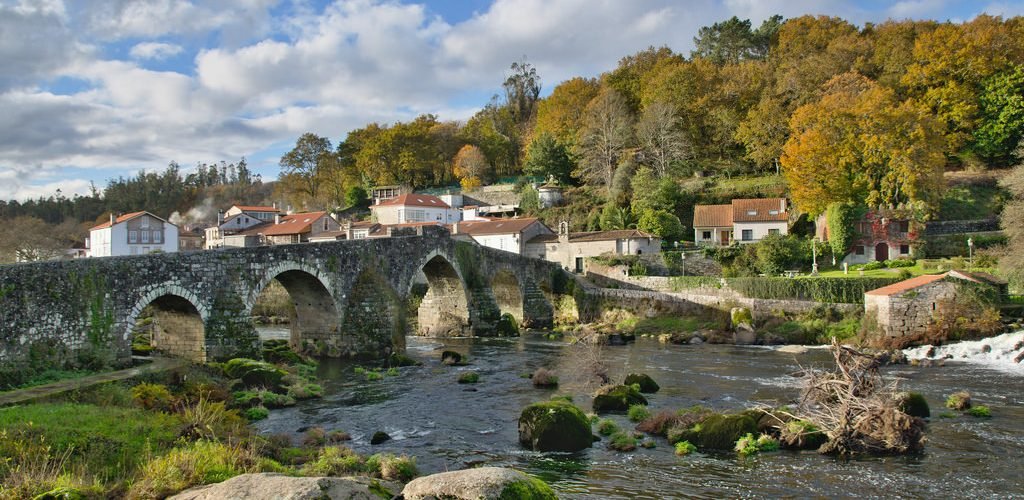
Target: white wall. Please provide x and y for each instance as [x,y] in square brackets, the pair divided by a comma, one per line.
[716,234]
[759,229]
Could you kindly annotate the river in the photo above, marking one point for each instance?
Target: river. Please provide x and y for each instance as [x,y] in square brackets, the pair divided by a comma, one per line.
[448,426]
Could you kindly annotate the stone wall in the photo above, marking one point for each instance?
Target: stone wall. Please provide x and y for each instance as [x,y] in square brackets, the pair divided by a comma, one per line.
[961,226]
[52,312]
[910,312]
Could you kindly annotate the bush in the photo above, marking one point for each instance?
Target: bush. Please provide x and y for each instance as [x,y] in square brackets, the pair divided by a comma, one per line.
[622,441]
[544,378]
[194,464]
[896,263]
[980,411]
[256,413]
[314,436]
[391,467]
[828,290]
[684,448]
[152,396]
[607,427]
[334,461]
[638,413]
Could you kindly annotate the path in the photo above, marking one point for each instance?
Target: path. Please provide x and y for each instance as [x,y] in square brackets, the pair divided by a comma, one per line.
[39,391]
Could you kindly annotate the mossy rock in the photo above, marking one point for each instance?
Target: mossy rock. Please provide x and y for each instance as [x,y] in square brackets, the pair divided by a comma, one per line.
[617,398]
[740,316]
[469,378]
[530,488]
[278,351]
[914,404]
[451,358]
[507,326]
[397,359]
[254,373]
[379,437]
[555,425]
[717,431]
[959,401]
[646,383]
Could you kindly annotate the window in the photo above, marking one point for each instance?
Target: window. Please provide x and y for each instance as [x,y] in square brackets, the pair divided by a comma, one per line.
[904,249]
[903,226]
[157,237]
[773,231]
[773,212]
[133,236]
[145,236]
[751,212]
[134,250]
[706,235]
[415,216]
[326,224]
[144,223]
[858,250]
[748,234]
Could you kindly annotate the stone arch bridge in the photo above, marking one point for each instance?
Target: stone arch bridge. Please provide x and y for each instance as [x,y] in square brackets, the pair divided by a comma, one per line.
[351,298]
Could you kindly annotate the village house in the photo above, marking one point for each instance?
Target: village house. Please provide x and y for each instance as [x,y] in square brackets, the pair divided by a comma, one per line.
[136,233]
[237,220]
[747,220]
[296,228]
[880,235]
[572,249]
[411,208]
[509,235]
[909,307]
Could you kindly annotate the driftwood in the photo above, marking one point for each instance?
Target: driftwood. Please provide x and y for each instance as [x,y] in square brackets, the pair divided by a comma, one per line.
[858,409]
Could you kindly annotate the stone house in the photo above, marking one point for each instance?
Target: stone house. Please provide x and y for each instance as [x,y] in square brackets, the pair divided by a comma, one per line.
[880,235]
[136,233]
[572,249]
[408,208]
[909,307]
[509,235]
[751,219]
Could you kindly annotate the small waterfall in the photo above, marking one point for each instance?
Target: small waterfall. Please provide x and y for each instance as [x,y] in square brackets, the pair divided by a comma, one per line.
[1004,352]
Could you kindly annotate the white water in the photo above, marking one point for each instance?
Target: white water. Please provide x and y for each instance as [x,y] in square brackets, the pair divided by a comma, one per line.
[995,352]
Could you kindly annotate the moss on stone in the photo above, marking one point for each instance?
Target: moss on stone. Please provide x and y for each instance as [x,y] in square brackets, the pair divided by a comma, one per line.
[529,488]
[469,377]
[507,326]
[646,383]
[617,398]
[717,431]
[555,425]
[914,404]
[254,373]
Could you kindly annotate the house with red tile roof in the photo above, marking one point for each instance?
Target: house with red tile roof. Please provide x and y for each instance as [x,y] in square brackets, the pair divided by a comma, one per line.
[411,207]
[236,220]
[297,228]
[509,235]
[746,220]
[136,233]
[571,250]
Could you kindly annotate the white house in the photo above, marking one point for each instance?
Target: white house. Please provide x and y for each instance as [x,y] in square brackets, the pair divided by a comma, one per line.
[571,249]
[509,235]
[409,208]
[744,220]
[237,219]
[136,233]
[297,228]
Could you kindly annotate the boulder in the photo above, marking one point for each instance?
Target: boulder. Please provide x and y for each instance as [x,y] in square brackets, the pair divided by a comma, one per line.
[959,401]
[507,326]
[793,349]
[485,483]
[617,398]
[379,437]
[555,425]
[717,431]
[913,404]
[254,373]
[451,358]
[268,486]
[646,383]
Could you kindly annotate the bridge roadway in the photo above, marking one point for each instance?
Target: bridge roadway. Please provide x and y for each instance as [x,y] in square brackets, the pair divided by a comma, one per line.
[350,298]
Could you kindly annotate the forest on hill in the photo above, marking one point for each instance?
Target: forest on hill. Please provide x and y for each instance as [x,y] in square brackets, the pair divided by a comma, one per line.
[872,115]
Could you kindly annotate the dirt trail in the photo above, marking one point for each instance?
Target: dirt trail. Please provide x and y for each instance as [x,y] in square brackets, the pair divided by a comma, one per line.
[39,391]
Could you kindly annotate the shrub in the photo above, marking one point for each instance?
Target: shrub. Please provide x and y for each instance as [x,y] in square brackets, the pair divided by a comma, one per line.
[980,411]
[638,413]
[194,464]
[391,467]
[959,401]
[469,378]
[314,436]
[207,419]
[895,263]
[275,400]
[622,441]
[152,396]
[607,427]
[256,413]
[338,436]
[544,378]
[334,461]
[684,448]
[829,290]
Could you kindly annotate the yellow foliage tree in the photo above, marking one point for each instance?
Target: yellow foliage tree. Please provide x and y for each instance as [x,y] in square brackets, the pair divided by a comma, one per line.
[859,143]
[471,167]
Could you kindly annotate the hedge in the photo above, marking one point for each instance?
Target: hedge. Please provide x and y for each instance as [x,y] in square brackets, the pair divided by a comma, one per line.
[833,290]
[680,283]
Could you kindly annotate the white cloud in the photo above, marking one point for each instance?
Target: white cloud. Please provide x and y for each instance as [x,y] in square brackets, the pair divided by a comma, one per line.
[155,50]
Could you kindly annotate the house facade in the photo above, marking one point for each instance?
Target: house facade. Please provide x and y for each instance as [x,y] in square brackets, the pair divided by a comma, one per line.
[510,235]
[746,220]
[137,233]
[297,228]
[880,235]
[572,249]
[413,208]
[237,220]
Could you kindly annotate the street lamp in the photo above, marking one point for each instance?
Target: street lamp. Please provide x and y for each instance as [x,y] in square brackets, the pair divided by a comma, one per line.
[970,253]
[814,254]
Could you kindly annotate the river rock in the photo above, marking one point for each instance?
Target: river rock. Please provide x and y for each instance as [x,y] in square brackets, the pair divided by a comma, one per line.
[269,486]
[744,335]
[379,437]
[646,383]
[451,358]
[696,340]
[959,401]
[485,483]
[555,425]
[617,398]
[793,349]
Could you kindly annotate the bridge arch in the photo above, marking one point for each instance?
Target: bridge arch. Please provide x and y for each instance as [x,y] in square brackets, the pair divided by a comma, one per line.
[317,319]
[444,310]
[178,322]
[508,293]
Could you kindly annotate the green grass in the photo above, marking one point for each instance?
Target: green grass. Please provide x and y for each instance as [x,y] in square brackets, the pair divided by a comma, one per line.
[108,442]
[663,324]
[775,184]
[970,202]
[915,270]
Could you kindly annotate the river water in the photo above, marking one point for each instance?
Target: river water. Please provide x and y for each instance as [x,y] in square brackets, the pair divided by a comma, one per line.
[448,426]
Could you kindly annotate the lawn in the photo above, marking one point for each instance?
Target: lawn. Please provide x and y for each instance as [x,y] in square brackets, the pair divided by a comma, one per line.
[971,197]
[923,266]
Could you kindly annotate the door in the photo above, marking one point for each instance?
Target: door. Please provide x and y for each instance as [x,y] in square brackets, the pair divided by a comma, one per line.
[881,252]
[725,237]
[579,264]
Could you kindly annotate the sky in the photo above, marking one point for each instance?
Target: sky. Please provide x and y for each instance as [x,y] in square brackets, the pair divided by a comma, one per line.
[96,89]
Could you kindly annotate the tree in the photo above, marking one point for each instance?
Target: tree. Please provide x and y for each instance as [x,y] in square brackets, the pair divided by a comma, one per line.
[1002,116]
[1012,222]
[29,239]
[529,200]
[522,88]
[306,165]
[633,73]
[660,223]
[652,193]
[732,40]
[764,132]
[615,217]
[547,157]
[471,167]
[857,143]
[355,196]
[561,114]
[606,135]
[661,142]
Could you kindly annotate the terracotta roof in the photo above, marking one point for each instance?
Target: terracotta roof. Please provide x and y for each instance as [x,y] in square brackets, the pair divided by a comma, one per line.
[294,224]
[903,286]
[759,210]
[246,208]
[617,234]
[363,224]
[978,277]
[122,218]
[712,216]
[415,200]
[543,238]
[501,226]
[382,229]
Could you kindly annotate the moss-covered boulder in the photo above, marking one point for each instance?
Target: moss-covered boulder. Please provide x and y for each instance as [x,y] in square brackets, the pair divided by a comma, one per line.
[914,404]
[555,425]
[959,401]
[487,483]
[617,398]
[278,351]
[717,431]
[379,437]
[451,358]
[254,373]
[507,326]
[646,383]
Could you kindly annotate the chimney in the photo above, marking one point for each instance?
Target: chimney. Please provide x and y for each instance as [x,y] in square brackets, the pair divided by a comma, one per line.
[346,227]
[113,220]
[277,218]
[782,205]
[455,228]
[220,217]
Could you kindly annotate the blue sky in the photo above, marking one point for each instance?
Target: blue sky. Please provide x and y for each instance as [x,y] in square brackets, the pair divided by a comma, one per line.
[95,89]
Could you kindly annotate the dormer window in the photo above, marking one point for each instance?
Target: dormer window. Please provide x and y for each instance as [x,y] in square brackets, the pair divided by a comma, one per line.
[773,212]
[751,212]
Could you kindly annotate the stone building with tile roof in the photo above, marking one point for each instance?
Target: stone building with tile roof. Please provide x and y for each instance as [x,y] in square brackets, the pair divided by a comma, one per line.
[571,250]
[745,220]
